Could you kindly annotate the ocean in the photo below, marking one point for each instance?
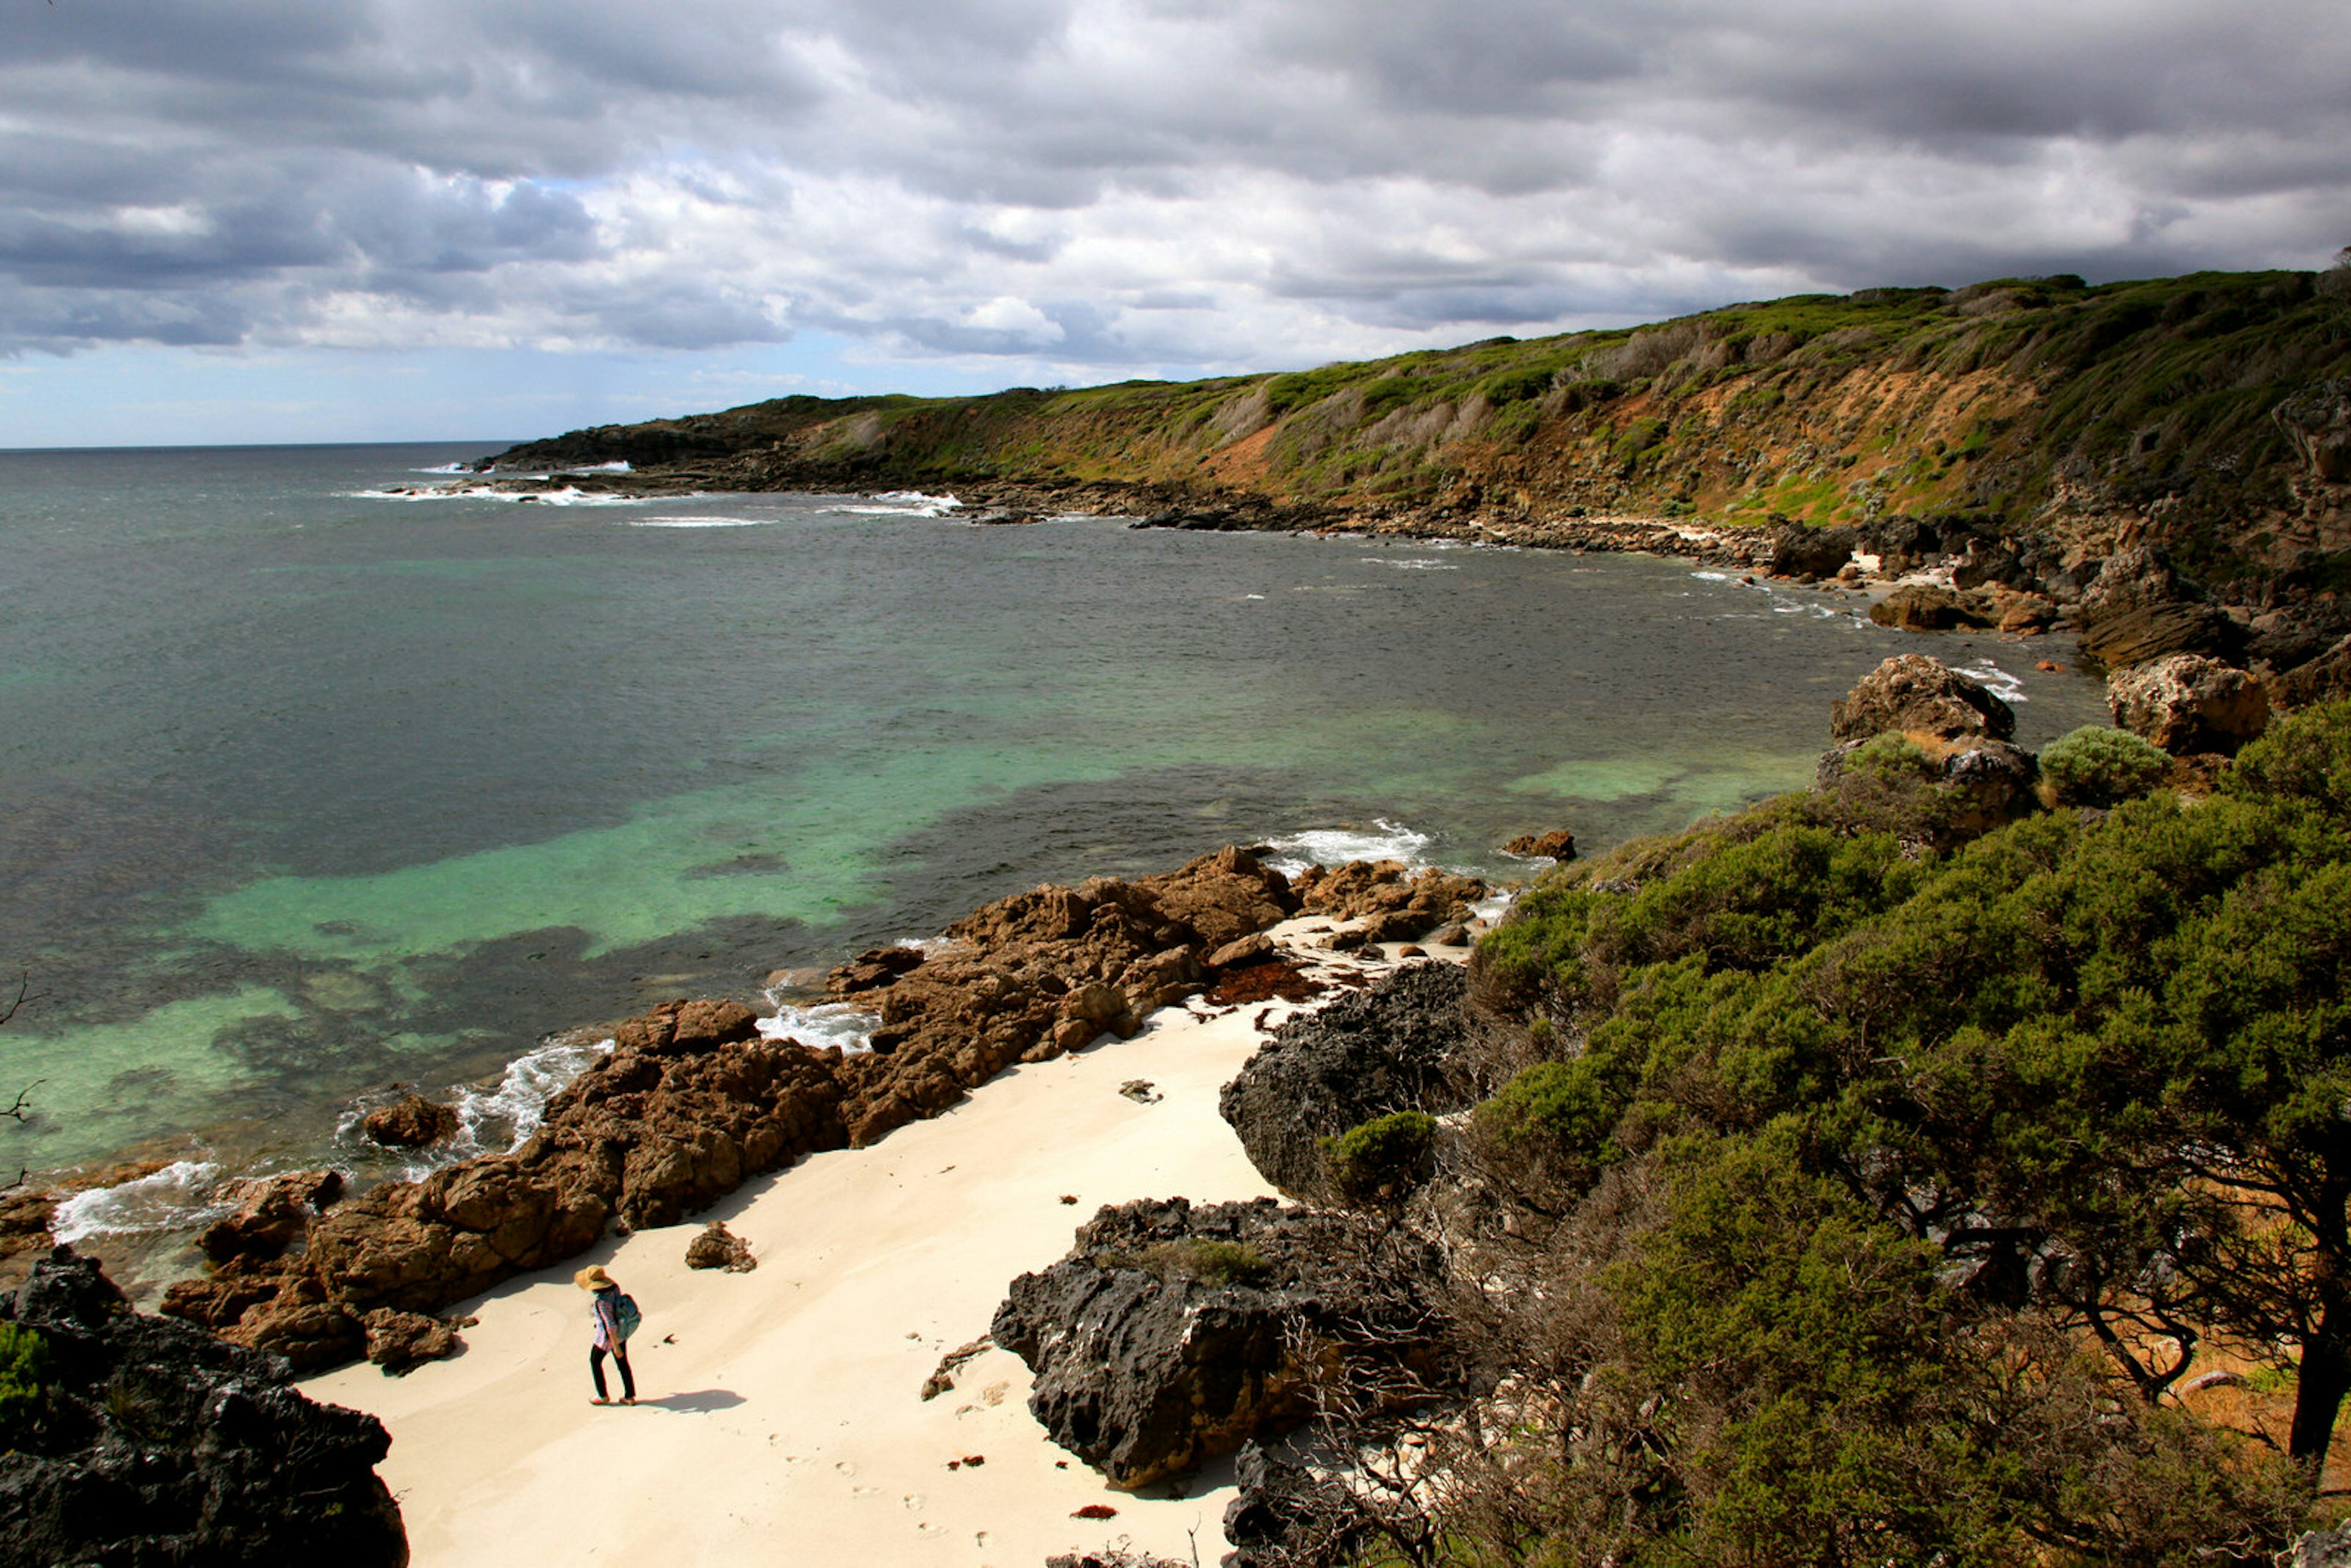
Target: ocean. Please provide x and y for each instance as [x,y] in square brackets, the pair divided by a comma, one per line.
[313,789]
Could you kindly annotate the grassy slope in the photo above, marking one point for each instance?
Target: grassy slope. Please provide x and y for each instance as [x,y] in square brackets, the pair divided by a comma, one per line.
[2033,401]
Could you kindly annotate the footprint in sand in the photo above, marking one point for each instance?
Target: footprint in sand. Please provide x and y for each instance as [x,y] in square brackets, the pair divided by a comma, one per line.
[845,1468]
[866,1492]
[927,1528]
[914,1500]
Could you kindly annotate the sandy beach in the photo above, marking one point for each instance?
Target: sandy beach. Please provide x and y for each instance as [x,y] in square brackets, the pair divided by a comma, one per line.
[779,1417]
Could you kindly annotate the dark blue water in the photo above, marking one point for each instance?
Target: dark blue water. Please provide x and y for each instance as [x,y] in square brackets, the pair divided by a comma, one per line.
[308,790]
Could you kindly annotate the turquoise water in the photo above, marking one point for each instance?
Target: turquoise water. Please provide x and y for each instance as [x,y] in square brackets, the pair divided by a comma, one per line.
[309,790]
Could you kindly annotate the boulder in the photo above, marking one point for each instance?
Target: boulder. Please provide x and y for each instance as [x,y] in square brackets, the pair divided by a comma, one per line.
[2138,608]
[1170,1335]
[1923,607]
[1391,1048]
[1914,695]
[1559,844]
[1808,553]
[2187,703]
[413,1123]
[1253,949]
[158,1443]
[715,1247]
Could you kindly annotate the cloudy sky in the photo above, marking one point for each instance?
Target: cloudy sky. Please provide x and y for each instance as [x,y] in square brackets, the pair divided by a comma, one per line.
[255,219]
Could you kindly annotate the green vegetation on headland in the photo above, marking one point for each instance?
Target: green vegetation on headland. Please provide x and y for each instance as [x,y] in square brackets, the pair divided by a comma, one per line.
[1884,1189]
[2125,411]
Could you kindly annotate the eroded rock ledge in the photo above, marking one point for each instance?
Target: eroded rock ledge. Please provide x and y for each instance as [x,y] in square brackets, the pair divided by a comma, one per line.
[692,1101]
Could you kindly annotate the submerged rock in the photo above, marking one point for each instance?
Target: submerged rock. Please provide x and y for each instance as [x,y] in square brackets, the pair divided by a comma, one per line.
[1391,1048]
[1170,1335]
[152,1442]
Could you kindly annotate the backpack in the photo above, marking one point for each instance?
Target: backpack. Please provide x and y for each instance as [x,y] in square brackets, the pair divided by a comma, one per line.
[626,1316]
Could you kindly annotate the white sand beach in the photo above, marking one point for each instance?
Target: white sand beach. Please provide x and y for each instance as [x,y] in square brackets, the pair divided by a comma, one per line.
[779,1419]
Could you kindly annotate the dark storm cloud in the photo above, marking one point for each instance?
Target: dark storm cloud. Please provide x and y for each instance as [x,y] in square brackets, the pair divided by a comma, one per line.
[1108,181]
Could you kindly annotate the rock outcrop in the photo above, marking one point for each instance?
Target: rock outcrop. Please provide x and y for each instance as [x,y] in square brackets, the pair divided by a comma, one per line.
[1029,977]
[1395,904]
[2139,609]
[411,1122]
[271,1216]
[1807,554]
[152,1442]
[2187,703]
[1170,1335]
[1912,694]
[1391,1048]
[693,1102]
[1559,844]
[1923,607]
[673,1120]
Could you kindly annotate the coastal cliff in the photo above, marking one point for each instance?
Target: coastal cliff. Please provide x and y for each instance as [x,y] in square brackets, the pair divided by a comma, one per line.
[2209,415]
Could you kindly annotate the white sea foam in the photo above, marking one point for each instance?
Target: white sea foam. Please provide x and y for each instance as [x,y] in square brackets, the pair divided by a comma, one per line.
[620,465]
[1494,905]
[490,1121]
[569,496]
[446,468]
[699,522]
[901,504]
[2008,688]
[844,1024]
[1411,563]
[1384,840]
[178,1196]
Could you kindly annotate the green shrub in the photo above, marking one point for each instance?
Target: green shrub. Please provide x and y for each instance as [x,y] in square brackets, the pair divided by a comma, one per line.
[1517,385]
[24,1361]
[1381,1158]
[1210,1262]
[1201,1258]
[2098,765]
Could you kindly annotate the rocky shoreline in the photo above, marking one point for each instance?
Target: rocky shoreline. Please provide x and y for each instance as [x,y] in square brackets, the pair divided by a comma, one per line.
[693,1100]
[2286,631]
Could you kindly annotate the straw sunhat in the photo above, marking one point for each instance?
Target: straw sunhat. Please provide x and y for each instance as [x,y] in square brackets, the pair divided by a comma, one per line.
[593,1277]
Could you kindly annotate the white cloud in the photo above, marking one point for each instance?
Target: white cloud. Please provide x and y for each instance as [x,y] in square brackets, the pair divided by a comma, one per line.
[1108,186]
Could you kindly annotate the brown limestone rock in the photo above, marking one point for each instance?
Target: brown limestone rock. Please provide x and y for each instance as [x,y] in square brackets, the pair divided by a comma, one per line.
[1395,906]
[413,1123]
[400,1342]
[271,1214]
[2138,608]
[1915,694]
[2187,703]
[1559,844]
[715,1247]
[1922,607]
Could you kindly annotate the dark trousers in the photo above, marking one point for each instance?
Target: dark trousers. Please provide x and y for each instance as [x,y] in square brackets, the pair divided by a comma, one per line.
[620,1359]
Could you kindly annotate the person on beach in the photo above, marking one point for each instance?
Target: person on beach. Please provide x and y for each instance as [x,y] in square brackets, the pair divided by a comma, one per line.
[604,1307]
